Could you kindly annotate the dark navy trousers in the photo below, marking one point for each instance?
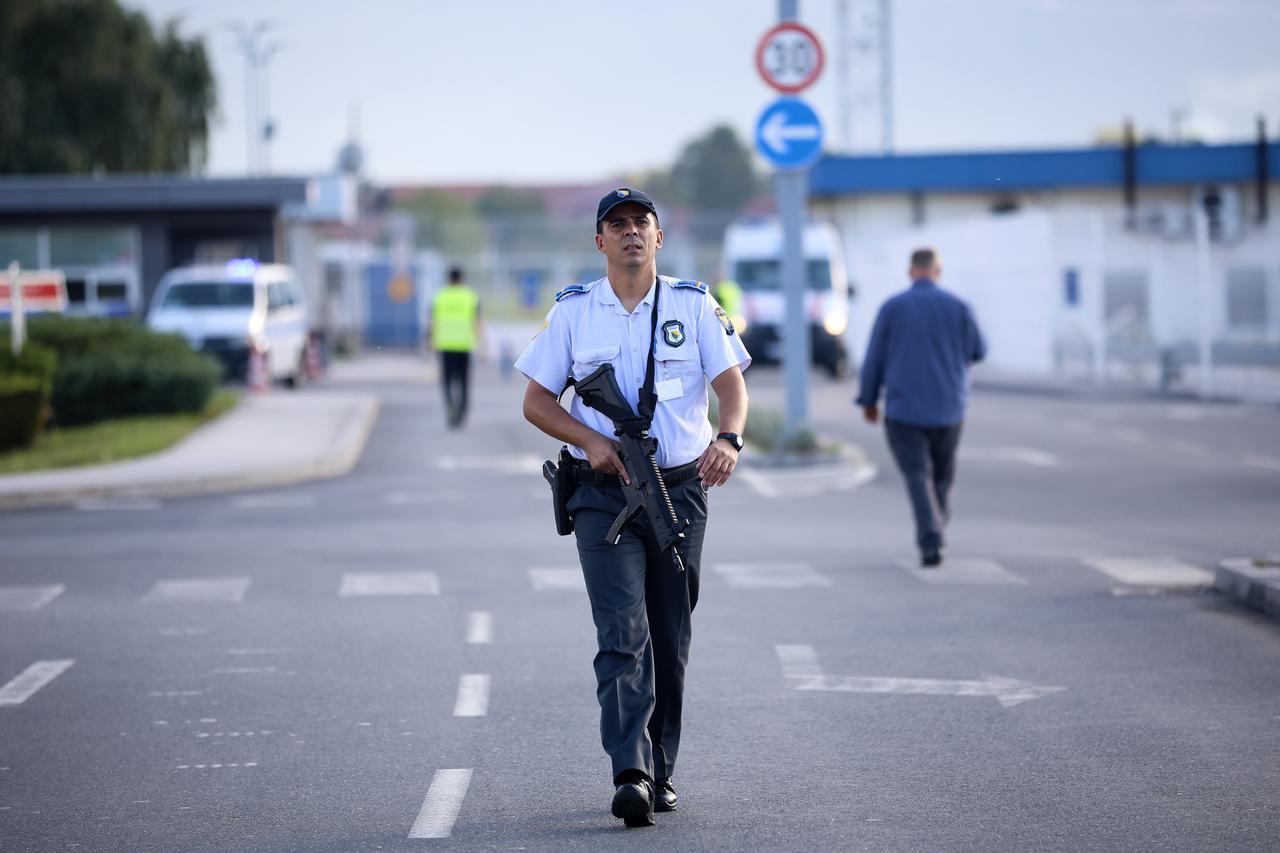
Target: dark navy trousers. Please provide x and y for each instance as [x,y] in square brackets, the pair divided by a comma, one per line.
[926,456]
[641,607]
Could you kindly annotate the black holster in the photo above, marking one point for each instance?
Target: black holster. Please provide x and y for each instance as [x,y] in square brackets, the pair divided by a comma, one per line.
[563,485]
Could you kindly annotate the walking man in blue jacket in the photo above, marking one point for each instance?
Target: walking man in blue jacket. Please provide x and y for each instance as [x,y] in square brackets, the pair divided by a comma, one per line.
[922,344]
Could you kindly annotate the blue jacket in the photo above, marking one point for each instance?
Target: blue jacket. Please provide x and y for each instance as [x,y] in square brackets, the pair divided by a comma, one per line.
[922,344]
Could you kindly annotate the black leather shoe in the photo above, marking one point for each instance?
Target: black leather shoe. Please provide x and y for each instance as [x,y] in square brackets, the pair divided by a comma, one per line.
[664,796]
[931,558]
[633,802]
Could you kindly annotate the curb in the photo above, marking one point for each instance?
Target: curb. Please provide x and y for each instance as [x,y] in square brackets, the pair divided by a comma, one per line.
[1253,583]
[353,435]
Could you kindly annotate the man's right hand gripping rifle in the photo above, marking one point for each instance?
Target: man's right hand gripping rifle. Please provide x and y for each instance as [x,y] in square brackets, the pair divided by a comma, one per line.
[647,492]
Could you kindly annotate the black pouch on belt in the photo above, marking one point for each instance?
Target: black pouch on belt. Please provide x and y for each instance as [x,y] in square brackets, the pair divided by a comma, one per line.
[563,485]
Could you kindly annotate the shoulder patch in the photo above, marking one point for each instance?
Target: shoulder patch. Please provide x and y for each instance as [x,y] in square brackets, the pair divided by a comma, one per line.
[696,285]
[571,290]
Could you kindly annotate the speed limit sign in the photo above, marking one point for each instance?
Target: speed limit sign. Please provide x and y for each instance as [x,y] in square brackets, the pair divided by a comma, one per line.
[789,57]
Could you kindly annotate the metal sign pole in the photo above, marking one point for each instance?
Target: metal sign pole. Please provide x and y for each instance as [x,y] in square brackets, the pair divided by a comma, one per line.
[791,190]
[17,325]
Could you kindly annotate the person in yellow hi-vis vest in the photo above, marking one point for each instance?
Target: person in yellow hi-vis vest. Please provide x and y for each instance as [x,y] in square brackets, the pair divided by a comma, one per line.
[454,332]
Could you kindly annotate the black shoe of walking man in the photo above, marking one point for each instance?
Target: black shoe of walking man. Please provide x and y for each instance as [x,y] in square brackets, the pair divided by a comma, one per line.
[633,799]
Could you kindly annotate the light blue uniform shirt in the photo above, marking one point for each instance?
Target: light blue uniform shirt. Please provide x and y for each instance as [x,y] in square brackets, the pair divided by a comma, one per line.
[588,327]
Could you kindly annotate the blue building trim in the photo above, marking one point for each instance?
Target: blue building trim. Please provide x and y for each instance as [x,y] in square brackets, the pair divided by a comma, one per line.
[996,171]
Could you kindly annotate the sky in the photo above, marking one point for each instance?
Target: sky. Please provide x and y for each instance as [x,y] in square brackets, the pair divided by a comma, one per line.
[554,90]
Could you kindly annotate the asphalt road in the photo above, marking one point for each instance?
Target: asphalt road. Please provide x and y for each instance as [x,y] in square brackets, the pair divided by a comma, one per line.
[407,650]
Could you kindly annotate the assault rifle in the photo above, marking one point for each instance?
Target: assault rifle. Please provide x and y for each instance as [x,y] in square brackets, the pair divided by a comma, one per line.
[646,492]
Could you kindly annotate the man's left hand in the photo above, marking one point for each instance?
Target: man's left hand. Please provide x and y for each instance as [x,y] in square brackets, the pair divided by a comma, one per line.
[717,462]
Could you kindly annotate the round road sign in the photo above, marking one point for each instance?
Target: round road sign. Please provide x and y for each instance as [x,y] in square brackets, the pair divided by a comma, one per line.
[789,57]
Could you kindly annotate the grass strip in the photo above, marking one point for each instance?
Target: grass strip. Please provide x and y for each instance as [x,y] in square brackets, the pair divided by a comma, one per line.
[112,441]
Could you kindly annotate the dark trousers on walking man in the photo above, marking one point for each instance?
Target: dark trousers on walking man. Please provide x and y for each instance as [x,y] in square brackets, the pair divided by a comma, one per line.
[926,456]
[455,373]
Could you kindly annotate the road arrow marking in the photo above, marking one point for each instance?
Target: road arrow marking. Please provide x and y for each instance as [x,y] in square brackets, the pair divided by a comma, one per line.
[776,133]
[800,665]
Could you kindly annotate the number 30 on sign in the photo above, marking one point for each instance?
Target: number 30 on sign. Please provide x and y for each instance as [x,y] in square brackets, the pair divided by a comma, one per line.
[789,57]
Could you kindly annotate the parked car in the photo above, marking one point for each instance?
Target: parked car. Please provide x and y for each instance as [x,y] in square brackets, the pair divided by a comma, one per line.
[228,311]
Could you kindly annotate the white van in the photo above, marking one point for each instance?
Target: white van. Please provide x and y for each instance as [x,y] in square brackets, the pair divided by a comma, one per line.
[753,258]
[227,310]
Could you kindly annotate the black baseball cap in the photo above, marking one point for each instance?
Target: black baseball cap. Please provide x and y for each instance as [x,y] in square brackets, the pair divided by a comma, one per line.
[622,195]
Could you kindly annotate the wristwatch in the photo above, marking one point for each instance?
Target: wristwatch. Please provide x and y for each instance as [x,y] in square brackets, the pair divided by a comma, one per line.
[733,438]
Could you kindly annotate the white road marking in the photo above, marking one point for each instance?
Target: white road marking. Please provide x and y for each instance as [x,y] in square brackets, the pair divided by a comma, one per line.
[389,583]
[1270,463]
[410,498]
[1154,572]
[479,627]
[28,597]
[807,481]
[175,694]
[771,575]
[798,661]
[245,670]
[473,695]
[24,685]
[517,463]
[800,666]
[441,806]
[283,501]
[557,580]
[976,572]
[105,505]
[197,590]
[1025,455]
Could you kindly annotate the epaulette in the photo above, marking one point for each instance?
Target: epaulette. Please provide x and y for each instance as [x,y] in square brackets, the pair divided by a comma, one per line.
[696,285]
[571,290]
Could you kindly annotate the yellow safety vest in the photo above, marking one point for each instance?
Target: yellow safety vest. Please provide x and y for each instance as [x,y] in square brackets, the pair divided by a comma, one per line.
[729,295]
[453,318]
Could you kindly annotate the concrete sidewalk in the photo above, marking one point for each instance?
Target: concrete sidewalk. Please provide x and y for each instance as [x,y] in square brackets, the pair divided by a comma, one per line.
[271,440]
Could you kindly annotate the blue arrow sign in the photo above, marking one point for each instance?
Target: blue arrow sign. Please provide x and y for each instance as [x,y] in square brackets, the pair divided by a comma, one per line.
[789,134]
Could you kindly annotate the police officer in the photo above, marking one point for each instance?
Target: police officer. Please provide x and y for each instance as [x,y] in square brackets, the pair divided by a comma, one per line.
[640,603]
[454,332]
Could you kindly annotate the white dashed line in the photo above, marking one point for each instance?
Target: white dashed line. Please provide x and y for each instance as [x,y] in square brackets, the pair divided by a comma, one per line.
[557,580]
[473,695]
[442,804]
[798,661]
[479,627]
[1024,455]
[245,670]
[1151,572]
[975,572]
[771,575]
[1269,463]
[25,684]
[391,583]
[28,597]
[273,501]
[198,591]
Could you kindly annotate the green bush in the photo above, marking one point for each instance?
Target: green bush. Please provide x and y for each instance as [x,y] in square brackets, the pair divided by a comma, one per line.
[25,384]
[117,368]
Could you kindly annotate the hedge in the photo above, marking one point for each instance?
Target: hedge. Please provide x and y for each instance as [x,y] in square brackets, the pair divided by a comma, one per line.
[117,368]
[25,384]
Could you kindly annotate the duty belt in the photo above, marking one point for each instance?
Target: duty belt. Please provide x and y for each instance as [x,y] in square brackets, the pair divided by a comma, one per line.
[588,476]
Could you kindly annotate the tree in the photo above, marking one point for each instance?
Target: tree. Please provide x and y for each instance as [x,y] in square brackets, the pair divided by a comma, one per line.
[714,172]
[94,88]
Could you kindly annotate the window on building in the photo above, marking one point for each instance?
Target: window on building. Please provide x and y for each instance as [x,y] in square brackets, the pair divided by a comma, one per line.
[20,246]
[1247,304]
[90,246]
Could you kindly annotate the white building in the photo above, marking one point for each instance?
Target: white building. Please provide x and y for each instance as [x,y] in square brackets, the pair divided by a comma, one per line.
[1079,263]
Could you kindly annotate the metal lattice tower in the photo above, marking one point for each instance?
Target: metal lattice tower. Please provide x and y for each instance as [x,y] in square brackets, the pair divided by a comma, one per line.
[864,68]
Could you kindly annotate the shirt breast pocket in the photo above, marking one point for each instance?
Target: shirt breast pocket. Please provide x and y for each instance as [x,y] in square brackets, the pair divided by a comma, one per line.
[587,359]
[680,363]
